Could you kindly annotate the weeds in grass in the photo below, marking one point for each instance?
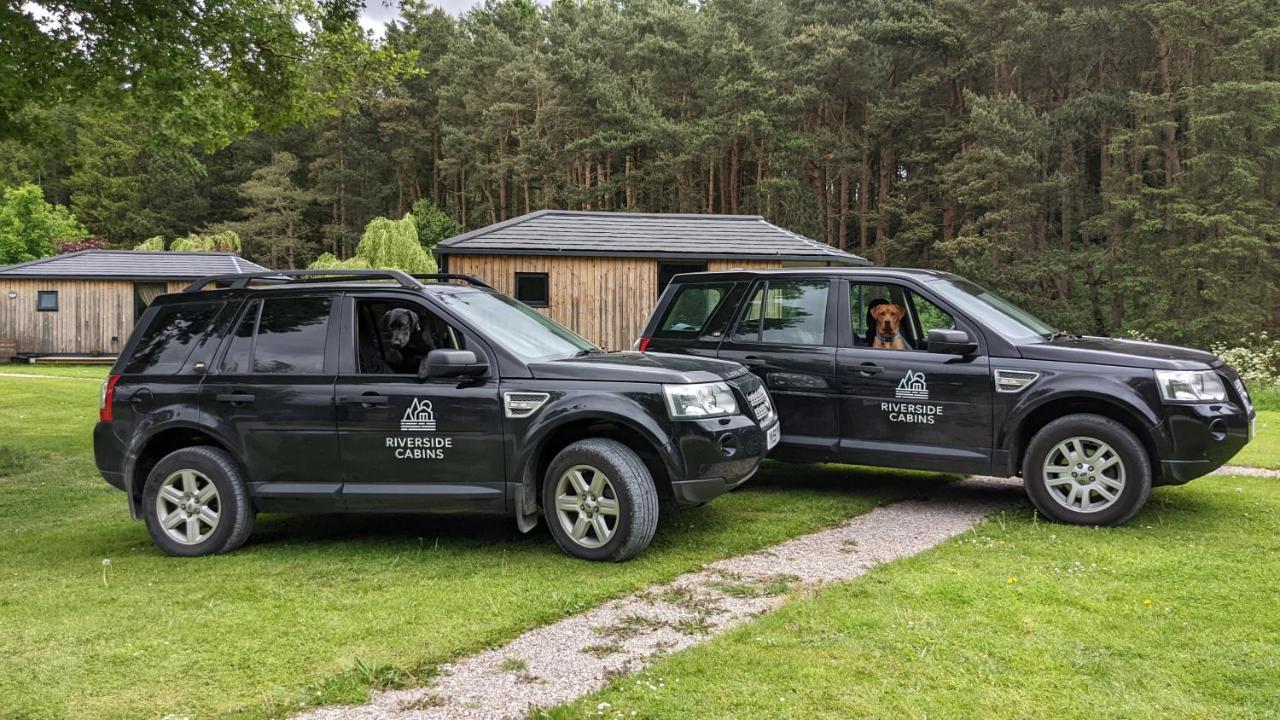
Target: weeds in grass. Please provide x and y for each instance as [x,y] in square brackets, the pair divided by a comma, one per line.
[600,650]
[629,627]
[513,665]
[14,460]
[426,702]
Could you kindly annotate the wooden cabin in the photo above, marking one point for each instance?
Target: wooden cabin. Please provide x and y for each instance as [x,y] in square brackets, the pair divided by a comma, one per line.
[600,273]
[84,304]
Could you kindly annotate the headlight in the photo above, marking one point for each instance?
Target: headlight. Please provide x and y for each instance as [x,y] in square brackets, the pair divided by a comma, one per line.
[699,401]
[1191,386]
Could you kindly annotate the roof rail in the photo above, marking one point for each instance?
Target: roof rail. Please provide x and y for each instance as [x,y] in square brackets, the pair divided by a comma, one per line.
[469,279]
[238,281]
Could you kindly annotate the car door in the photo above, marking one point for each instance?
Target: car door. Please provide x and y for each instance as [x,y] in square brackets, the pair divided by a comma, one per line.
[910,407]
[786,333]
[271,387]
[409,443]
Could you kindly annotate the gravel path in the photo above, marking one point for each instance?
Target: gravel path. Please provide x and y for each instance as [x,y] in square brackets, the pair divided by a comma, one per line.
[563,661]
[1249,471]
[47,377]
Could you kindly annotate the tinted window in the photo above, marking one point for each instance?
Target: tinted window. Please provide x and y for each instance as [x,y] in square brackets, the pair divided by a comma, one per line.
[533,289]
[692,307]
[169,337]
[291,334]
[788,312]
[47,300]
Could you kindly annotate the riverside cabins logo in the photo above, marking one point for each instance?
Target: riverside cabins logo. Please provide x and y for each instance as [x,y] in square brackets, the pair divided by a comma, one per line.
[419,418]
[913,386]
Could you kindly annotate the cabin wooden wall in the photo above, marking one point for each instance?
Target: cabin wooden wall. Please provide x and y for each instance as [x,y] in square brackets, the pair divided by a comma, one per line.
[90,313]
[606,300]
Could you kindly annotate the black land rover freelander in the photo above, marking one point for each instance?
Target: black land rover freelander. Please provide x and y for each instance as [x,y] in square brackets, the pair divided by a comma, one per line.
[376,391]
[926,370]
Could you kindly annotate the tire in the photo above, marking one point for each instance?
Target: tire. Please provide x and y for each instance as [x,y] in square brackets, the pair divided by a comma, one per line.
[1112,473]
[609,471]
[197,468]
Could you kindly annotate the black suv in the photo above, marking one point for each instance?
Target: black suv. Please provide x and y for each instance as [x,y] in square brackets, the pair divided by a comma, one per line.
[377,391]
[926,370]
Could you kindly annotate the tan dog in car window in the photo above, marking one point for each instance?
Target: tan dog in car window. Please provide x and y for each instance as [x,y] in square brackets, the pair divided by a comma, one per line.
[888,319]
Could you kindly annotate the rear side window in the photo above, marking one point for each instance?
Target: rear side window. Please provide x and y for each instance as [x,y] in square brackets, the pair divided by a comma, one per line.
[786,312]
[280,335]
[170,336]
[692,308]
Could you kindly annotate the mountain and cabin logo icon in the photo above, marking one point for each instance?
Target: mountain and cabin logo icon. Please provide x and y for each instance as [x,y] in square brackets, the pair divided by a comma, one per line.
[912,387]
[419,417]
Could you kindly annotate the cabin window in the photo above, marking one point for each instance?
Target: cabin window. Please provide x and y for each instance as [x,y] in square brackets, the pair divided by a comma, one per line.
[144,294]
[47,301]
[533,289]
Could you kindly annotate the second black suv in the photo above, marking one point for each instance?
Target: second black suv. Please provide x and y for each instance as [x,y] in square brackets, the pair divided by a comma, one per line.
[923,369]
[376,391]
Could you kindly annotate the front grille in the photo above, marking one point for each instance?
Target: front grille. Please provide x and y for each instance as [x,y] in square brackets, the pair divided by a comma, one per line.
[761,407]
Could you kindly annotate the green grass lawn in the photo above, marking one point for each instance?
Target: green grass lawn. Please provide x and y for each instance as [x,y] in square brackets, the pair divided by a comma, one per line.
[1264,451]
[95,622]
[1175,615]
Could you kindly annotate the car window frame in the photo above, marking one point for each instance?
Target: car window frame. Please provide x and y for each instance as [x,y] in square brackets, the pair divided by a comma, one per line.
[962,321]
[830,328]
[348,358]
[329,363]
[669,306]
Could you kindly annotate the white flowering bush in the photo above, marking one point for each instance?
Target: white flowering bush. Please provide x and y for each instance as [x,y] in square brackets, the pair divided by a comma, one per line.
[1257,359]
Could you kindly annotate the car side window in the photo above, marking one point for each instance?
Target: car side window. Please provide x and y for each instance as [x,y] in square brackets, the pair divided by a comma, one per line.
[170,337]
[692,308]
[280,335]
[904,325]
[393,336]
[786,312]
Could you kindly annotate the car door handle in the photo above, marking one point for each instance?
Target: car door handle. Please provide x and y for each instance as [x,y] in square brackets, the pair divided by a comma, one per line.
[753,361]
[867,369]
[368,399]
[235,398]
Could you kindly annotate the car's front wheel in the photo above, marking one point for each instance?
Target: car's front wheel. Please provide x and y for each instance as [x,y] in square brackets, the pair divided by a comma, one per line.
[1087,469]
[600,501]
[195,503]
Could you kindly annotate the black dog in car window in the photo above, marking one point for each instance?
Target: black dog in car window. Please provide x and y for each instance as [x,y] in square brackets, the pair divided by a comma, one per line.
[410,343]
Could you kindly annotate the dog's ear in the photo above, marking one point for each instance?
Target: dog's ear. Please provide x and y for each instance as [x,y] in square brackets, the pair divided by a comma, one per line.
[417,321]
[897,310]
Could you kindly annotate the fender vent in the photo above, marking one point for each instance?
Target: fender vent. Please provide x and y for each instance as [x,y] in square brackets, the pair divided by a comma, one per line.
[1014,381]
[523,404]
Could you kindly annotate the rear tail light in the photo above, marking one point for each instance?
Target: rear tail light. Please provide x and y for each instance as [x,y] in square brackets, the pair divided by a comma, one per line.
[642,344]
[107,398]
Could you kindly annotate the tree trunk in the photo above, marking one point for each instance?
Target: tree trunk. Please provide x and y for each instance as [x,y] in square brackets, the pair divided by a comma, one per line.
[864,202]
[842,238]
[885,190]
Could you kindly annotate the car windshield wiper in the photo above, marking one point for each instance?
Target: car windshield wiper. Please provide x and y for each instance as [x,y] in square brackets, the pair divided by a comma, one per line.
[588,351]
[1062,333]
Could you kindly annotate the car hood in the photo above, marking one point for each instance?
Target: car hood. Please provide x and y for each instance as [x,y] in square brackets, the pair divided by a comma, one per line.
[1128,353]
[638,367]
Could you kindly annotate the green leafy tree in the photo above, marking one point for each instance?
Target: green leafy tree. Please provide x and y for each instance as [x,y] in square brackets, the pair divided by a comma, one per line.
[225,241]
[31,227]
[274,226]
[151,244]
[433,224]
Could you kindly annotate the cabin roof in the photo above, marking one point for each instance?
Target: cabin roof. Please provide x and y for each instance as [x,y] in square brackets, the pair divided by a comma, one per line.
[661,236]
[130,265]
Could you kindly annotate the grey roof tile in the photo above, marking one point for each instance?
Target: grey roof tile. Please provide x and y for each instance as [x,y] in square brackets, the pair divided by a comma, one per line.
[570,232]
[131,265]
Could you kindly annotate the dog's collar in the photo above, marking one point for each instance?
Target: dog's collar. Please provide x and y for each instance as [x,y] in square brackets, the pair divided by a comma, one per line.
[888,338]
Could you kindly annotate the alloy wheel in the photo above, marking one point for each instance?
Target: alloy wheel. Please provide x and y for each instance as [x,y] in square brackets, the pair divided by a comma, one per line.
[587,506]
[1084,474]
[188,507]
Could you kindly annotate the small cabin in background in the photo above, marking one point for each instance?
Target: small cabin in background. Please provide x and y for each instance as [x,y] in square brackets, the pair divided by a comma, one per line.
[600,273]
[85,303]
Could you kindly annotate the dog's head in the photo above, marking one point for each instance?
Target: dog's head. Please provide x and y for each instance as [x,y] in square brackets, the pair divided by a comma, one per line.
[403,324]
[887,317]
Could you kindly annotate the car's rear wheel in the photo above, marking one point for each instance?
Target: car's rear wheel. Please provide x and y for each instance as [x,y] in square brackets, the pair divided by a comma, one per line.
[1087,470]
[195,503]
[600,501]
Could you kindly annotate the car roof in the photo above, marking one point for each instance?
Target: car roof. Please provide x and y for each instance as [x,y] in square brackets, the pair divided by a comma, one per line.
[215,293]
[919,274]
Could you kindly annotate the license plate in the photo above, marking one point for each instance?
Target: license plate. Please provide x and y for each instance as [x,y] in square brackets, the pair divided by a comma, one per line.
[773,435]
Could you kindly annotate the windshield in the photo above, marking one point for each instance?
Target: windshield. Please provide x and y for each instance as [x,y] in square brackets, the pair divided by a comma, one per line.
[524,331]
[1008,319]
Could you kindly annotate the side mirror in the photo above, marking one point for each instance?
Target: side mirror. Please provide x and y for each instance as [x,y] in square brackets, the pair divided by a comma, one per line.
[452,363]
[951,342]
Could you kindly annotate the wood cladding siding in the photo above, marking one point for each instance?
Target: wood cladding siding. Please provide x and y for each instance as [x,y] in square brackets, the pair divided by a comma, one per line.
[606,300]
[90,313]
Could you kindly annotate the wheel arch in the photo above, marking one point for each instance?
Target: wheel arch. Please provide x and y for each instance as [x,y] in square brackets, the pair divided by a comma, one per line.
[156,446]
[1036,418]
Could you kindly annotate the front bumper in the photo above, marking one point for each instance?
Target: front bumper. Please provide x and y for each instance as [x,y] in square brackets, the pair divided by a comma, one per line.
[715,456]
[1198,439]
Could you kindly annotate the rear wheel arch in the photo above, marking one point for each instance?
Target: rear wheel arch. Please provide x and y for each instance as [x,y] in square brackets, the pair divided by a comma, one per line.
[162,443]
[1036,419]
